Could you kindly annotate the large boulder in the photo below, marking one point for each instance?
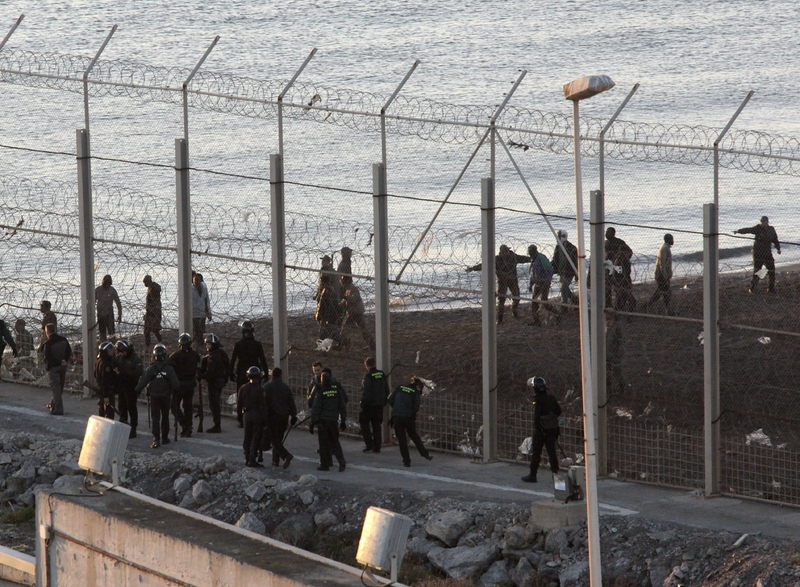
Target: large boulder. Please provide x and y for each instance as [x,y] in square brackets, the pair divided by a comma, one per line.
[325,519]
[575,575]
[256,491]
[249,521]
[465,562]
[523,574]
[182,484]
[496,575]
[202,492]
[449,526]
[296,530]
[214,465]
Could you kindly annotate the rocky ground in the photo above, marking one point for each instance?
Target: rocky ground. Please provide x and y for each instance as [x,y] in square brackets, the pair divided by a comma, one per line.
[454,541]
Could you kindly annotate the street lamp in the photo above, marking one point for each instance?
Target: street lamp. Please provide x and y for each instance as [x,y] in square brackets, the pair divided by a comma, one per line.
[578,90]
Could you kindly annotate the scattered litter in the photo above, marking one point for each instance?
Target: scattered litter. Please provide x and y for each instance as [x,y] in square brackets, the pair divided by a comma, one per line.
[776,484]
[740,541]
[468,446]
[762,273]
[764,339]
[685,286]
[642,475]
[781,445]
[701,337]
[417,359]
[697,493]
[525,447]
[231,401]
[624,413]
[648,409]
[428,386]
[758,438]
[325,345]
[614,474]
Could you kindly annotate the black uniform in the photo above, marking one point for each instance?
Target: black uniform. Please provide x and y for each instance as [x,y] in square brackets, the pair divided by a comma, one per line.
[329,404]
[281,410]
[253,407]
[546,411]
[621,284]
[247,352]
[185,362]
[405,401]
[214,368]
[105,373]
[129,367]
[374,391]
[161,383]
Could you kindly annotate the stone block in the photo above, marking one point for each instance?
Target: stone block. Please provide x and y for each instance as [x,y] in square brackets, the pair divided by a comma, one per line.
[549,514]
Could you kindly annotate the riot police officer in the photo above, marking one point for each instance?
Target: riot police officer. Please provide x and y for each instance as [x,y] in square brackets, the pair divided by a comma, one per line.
[251,404]
[185,361]
[129,368]
[161,382]
[546,411]
[247,352]
[214,368]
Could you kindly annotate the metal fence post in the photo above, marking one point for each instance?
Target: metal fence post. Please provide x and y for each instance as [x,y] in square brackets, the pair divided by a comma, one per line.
[280,326]
[380,219]
[488,323]
[711,404]
[86,240]
[183,211]
[597,326]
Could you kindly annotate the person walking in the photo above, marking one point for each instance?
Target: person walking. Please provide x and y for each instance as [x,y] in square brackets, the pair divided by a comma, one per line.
[152,310]
[201,307]
[57,355]
[251,404]
[540,280]
[663,275]
[129,370]
[247,352]
[329,406]
[563,267]
[105,296]
[161,382]
[185,361]
[374,394]
[405,401]
[48,317]
[505,268]
[327,298]
[214,368]
[105,374]
[619,282]
[281,413]
[765,238]
[353,312]
[546,411]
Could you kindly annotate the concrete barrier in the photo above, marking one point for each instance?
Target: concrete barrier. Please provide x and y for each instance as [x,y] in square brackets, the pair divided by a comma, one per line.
[120,537]
[16,567]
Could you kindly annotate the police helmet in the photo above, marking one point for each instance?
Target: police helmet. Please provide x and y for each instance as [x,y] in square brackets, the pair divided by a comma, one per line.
[537,383]
[159,352]
[212,339]
[185,339]
[254,373]
[247,327]
[106,347]
[122,346]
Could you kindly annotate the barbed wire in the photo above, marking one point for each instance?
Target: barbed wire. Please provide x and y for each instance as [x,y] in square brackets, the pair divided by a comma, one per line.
[410,116]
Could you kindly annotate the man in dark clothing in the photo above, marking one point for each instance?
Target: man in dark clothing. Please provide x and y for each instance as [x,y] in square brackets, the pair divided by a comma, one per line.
[152,310]
[129,370]
[505,267]
[663,275]
[540,280]
[5,337]
[57,355]
[374,392]
[250,403]
[619,282]
[562,266]
[185,361]
[327,298]
[161,382]
[546,411]
[105,298]
[105,374]
[765,237]
[405,402]
[247,352]
[215,368]
[281,413]
[316,379]
[353,312]
[48,317]
[329,405]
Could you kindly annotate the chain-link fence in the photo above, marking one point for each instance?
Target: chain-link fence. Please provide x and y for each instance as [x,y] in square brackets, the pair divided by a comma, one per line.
[657,179]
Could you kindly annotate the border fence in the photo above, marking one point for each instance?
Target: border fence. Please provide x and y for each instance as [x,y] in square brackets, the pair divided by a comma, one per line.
[270,176]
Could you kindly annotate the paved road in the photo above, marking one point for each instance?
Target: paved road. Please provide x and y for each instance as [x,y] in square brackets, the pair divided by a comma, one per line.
[21,408]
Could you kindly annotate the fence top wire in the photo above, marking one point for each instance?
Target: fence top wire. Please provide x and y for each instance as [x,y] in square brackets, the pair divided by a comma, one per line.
[431,120]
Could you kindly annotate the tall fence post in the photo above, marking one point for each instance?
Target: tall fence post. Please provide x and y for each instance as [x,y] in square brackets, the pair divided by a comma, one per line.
[86,240]
[711,403]
[280,325]
[597,326]
[380,226]
[183,212]
[488,322]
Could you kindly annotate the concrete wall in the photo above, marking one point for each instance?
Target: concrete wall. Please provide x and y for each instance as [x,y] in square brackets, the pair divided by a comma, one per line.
[16,568]
[124,538]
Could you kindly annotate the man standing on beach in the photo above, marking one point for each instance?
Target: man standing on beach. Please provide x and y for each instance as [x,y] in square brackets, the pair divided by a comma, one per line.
[201,307]
[541,278]
[57,354]
[765,237]
[152,310]
[48,317]
[505,267]
[105,298]
[565,269]
[663,275]
[621,284]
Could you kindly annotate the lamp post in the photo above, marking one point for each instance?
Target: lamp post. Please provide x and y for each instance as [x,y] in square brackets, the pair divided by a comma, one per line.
[578,90]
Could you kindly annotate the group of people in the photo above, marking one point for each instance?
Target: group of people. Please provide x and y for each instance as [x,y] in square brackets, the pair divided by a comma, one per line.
[339,302]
